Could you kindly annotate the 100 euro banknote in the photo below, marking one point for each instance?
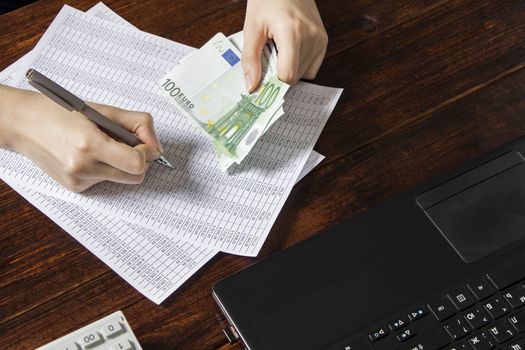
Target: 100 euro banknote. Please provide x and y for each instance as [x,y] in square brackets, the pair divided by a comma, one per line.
[209,86]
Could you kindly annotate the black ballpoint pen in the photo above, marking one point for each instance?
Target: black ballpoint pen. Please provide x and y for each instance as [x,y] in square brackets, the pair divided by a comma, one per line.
[72,103]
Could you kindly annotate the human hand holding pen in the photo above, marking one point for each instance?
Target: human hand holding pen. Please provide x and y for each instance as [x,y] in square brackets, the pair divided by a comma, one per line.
[69,147]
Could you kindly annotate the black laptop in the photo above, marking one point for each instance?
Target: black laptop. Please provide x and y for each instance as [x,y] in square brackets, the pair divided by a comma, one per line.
[439,267]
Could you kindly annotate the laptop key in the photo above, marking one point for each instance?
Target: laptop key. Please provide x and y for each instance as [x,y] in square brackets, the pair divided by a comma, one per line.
[481,288]
[345,344]
[497,307]
[482,341]
[462,298]
[435,340]
[476,318]
[517,345]
[406,334]
[398,324]
[507,277]
[442,308]
[460,345]
[378,334]
[515,297]
[457,328]
[518,322]
[417,313]
[502,332]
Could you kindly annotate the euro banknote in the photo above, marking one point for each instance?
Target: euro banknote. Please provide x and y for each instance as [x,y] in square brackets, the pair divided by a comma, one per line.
[209,87]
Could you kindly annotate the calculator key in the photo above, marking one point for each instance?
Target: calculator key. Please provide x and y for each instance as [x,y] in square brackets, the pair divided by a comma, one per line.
[481,288]
[517,345]
[515,297]
[482,341]
[502,332]
[417,313]
[113,329]
[476,318]
[442,308]
[435,340]
[406,334]
[398,324]
[497,307]
[518,322]
[124,345]
[91,340]
[457,328]
[462,298]
[70,346]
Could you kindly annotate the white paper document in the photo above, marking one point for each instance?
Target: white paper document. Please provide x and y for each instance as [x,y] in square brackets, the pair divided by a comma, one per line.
[153,263]
[196,202]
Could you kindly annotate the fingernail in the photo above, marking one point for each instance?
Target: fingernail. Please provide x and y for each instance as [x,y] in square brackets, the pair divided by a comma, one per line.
[161,149]
[249,82]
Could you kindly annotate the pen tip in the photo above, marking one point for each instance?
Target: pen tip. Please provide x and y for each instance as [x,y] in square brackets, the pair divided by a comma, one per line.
[162,160]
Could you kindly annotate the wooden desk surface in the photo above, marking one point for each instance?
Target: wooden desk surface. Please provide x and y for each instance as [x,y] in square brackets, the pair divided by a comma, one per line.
[428,84]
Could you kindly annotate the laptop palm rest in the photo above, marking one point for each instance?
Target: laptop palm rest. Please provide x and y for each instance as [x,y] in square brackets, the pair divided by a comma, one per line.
[481,210]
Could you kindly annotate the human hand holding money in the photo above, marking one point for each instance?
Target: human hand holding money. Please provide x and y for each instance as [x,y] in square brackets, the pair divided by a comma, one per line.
[209,86]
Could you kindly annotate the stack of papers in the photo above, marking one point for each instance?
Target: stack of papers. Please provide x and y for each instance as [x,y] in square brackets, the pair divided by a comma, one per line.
[157,234]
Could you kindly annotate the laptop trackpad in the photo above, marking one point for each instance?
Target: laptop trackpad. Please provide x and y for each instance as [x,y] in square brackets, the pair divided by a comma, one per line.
[481,210]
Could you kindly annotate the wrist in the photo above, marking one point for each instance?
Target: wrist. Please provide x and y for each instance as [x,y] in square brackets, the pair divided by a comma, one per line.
[12,104]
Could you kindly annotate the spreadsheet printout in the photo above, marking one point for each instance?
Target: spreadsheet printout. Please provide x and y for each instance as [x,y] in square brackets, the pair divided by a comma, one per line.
[154,282]
[110,64]
[154,264]
[17,70]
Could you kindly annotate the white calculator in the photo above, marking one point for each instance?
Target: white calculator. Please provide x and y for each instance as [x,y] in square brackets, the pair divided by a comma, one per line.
[109,333]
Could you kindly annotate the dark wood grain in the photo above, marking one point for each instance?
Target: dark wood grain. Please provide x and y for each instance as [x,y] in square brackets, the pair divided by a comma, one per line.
[428,85]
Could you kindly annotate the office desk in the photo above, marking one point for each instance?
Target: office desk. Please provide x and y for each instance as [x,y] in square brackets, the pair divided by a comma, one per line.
[428,85]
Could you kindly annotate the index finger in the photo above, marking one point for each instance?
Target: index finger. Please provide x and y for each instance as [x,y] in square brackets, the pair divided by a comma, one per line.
[131,160]
[288,47]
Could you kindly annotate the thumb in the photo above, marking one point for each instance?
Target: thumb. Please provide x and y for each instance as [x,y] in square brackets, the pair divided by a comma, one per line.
[253,44]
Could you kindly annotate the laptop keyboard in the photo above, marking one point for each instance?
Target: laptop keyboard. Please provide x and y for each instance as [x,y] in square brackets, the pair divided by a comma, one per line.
[485,313]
